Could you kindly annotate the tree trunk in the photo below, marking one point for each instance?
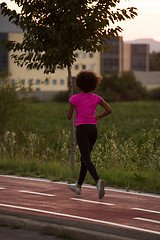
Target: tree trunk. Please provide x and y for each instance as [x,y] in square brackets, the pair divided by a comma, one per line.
[70,86]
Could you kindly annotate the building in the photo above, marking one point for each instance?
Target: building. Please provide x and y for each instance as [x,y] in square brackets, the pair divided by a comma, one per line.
[45,85]
[122,57]
[112,60]
[150,80]
[52,82]
[127,66]
[136,57]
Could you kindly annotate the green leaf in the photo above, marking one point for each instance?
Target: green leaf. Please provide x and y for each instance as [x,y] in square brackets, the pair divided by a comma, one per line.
[57,28]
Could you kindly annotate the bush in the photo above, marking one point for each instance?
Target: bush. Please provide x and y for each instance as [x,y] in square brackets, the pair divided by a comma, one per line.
[12,104]
[154,61]
[122,87]
[154,94]
[62,96]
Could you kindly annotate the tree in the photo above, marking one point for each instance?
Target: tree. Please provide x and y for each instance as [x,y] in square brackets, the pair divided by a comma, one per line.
[122,87]
[154,61]
[55,29]
[12,108]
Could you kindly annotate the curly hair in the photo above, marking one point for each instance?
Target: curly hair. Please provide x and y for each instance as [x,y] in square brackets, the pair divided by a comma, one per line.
[87,81]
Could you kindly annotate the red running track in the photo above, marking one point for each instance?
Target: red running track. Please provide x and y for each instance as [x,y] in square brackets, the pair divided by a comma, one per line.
[120,209]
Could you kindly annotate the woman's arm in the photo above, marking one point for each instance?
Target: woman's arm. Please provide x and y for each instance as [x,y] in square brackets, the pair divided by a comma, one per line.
[107,108]
[70,111]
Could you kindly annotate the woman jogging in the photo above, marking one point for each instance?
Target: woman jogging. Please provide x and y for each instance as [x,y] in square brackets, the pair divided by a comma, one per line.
[85,104]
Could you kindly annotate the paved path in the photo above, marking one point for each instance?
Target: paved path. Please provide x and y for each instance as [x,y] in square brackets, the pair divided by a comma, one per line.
[20,234]
[122,213]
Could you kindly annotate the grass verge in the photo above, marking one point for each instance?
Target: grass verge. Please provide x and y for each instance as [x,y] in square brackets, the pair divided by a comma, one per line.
[144,181]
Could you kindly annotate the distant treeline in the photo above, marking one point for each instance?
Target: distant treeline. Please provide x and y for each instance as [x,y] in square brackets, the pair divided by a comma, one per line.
[154,61]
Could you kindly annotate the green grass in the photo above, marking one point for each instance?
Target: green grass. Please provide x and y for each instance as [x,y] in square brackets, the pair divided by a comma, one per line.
[126,155]
[145,181]
[128,118]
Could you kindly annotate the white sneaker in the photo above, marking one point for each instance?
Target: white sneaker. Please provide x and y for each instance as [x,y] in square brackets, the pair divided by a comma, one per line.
[75,189]
[100,187]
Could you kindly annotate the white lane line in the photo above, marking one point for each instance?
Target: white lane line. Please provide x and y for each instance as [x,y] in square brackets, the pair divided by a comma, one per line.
[118,190]
[89,201]
[145,210]
[81,218]
[37,193]
[147,220]
[1,188]
[85,185]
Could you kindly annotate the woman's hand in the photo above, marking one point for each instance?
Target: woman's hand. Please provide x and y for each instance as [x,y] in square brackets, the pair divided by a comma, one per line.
[97,118]
[107,111]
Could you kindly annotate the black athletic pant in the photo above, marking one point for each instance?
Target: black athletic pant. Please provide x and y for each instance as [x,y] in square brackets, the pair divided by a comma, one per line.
[86,135]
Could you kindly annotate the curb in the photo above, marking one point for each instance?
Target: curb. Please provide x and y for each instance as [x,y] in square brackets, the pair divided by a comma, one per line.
[57,230]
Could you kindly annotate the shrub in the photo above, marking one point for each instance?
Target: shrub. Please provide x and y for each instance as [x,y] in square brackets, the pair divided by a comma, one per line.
[154,94]
[62,96]
[122,87]
[12,104]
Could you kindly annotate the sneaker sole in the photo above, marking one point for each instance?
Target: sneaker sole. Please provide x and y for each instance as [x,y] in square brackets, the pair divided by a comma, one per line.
[102,191]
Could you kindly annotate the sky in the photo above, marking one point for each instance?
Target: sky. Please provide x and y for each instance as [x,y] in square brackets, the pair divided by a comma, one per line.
[145,25]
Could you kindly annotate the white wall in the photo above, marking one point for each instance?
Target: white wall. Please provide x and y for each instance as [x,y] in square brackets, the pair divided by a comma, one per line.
[148,79]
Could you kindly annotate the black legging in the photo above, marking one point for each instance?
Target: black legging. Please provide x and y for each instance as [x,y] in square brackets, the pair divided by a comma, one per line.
[86,135]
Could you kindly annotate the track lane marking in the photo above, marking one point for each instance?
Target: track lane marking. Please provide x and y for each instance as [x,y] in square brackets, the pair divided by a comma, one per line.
[145,210]
[81,218]
[37,193]
[89,201]
[147,220]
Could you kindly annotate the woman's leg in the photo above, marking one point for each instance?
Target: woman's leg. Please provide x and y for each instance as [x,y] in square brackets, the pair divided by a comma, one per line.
[82,174]
[86,137]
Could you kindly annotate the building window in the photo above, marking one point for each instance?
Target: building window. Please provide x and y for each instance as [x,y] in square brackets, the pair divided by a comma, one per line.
[46,82]
[30,81]
[12,81]
[76,67]
[83,67]
[61,82]
[38,89]
[91,55]
[54,81]
[22,81]
[90,67]
[38,82]
[61,68]
[76,55]
[83,55]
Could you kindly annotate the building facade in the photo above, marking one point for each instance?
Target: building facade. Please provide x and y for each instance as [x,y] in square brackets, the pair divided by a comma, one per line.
[45,85]
[150,80]
[136,57]
[122,57]
[112,60]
